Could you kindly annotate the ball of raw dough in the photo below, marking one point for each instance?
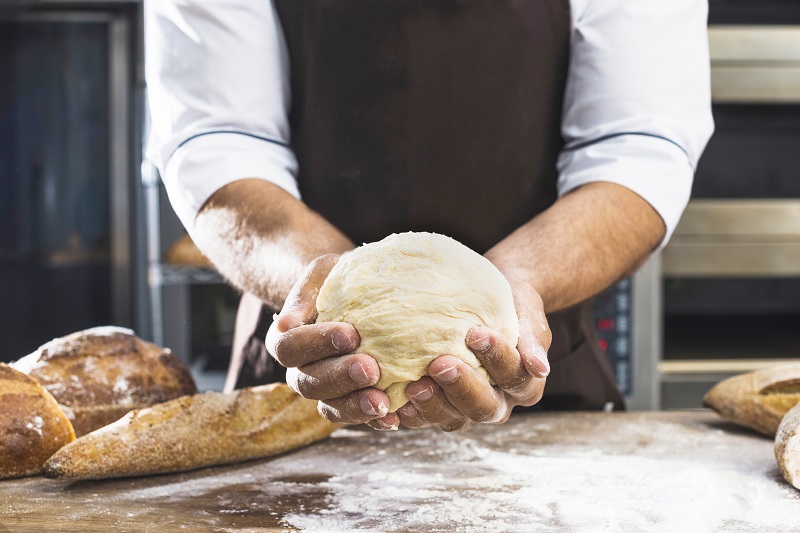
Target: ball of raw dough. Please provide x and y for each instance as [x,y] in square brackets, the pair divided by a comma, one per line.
[413,297]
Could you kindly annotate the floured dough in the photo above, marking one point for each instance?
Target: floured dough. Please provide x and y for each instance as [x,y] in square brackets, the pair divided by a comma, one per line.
[413,297]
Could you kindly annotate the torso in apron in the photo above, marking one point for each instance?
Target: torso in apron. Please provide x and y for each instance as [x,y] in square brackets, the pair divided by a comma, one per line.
[443,116]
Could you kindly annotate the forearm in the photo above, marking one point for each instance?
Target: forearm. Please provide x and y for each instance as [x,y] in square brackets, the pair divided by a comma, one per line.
[586,241]
[261,238]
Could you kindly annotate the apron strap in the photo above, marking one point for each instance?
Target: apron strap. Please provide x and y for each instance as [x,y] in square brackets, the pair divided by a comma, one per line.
[251,364]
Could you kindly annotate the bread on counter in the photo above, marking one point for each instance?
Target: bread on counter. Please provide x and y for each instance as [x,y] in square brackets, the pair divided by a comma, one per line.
[787,446]
[100,374]
[32,425]
[759,399]
[185,252]
[194,432]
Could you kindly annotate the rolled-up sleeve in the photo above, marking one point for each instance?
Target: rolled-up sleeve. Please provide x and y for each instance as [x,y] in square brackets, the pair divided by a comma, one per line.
[218,95]
[637,110]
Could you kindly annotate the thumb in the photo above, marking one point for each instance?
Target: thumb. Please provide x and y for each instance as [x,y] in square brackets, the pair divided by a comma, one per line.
[300,307]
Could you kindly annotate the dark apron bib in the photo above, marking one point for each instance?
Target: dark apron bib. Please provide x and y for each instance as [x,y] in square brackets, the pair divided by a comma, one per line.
[432,115]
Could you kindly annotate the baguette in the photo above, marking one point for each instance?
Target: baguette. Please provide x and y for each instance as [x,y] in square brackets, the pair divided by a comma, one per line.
[32,426]
[787,446]
[759,399]
[100,374]
[194,432]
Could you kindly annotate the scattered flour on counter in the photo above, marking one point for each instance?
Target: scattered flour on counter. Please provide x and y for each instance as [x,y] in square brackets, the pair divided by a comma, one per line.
[659,478]
[562,490]
[184,488]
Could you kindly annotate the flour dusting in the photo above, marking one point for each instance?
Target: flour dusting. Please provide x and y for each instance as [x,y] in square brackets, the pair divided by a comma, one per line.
[107,331]
[472,487]
[565,473]
[121,385]
[36,423]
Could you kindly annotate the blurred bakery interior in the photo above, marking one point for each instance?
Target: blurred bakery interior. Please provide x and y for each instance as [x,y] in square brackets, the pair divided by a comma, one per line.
[87,236]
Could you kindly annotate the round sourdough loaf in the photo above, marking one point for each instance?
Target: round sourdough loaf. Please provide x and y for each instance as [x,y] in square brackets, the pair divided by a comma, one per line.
[32,425]
[99,374]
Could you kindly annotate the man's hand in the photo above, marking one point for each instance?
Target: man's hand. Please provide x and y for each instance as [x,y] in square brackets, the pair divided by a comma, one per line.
[321,366]
[319,359]
[454,396]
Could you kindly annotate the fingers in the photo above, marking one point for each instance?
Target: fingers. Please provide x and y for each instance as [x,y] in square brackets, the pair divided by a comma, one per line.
[468,392]
[360,407]
[434,407]
[411,418]
[503,363]
[309,343]
[300,306]
[334,377]
[293,338]
[534,332]
[390,422]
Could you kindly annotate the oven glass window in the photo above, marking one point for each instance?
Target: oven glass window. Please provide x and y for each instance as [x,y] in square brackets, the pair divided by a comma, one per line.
[731,318]
[754,153]
[54,181]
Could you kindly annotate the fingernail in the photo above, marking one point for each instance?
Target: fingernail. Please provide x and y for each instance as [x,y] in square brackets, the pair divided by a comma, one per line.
[371,410]
[341,341]
[448,375]
[385,426]
[481,344]
[541,355]
[423,395]
[359,374]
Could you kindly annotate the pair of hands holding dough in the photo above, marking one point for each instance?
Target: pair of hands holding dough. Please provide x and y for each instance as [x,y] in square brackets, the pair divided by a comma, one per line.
[323,363]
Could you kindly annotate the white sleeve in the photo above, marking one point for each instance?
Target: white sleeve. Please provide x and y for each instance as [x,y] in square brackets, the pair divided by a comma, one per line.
[218,94]
[637,109]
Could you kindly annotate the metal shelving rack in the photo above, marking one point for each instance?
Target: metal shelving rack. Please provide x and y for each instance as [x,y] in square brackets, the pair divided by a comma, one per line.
[170,317]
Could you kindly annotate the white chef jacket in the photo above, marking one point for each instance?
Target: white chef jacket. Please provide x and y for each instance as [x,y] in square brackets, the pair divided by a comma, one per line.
[637,108]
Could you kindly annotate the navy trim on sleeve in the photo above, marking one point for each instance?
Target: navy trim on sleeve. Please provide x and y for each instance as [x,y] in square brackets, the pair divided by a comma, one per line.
[620,134]
[237,132]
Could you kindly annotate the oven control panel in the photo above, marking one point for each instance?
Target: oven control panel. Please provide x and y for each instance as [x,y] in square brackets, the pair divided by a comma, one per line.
[613,315]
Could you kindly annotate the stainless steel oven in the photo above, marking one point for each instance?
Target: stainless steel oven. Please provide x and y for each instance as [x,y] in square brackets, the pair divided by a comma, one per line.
[69,147]
[731,274]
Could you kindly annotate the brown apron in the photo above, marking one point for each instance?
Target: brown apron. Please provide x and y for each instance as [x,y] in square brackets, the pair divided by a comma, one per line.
[432,115]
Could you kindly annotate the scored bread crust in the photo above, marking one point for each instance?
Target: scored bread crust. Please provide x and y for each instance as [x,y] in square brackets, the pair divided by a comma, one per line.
[194,432]
[758,400]
[100,374]
[787,446]
[32,425]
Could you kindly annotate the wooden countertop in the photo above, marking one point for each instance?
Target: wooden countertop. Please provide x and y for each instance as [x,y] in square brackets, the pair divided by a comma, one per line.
[570,472]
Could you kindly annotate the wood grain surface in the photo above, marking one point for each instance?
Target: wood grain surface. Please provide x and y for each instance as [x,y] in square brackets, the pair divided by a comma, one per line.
[572,472]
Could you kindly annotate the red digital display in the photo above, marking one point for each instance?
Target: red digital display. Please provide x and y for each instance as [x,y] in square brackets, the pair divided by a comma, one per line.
[603,344]
[605,324]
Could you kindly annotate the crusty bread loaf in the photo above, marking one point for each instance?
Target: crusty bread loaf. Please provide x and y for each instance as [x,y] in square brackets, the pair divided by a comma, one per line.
[32,426]
[759,399]
[787,446]
[100,374]
[185,252]
[194,432]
